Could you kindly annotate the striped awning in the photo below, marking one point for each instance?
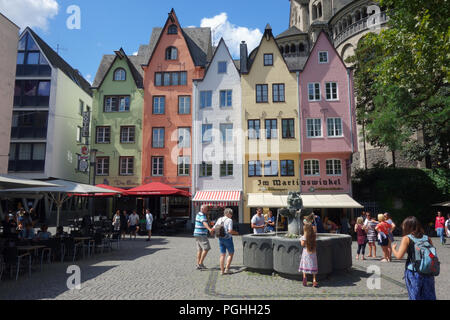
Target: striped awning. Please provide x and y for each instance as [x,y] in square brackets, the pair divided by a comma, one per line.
[218,198]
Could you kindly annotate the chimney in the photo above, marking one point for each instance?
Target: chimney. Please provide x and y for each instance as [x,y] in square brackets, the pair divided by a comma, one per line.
[244,57]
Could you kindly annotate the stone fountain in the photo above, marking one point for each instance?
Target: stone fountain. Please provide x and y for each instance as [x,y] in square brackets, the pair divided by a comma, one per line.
[281,252]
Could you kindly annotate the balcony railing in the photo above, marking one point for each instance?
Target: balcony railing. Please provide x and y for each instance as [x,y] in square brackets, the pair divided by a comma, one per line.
[27,70]
[28,133]
[26,166]
[372,21]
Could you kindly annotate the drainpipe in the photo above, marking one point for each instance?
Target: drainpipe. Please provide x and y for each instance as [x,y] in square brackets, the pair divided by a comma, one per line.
[351,125]
[194,150]
[300,122]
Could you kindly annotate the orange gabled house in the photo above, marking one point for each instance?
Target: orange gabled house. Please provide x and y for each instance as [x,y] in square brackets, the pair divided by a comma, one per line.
[176,57]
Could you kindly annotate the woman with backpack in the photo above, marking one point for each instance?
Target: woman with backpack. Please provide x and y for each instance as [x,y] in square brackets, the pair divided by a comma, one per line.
[224,231]
[420,285]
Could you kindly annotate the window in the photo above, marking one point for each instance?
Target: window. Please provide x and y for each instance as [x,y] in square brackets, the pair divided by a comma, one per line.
[79,134]
[158,138]
[184,105]
[183,166]
[334,127]
[207,133]
[287,168]
[127,135]
[39,151]
[226,131]
[173,29]
[171,53]
[226,169]
[271,168]
[205,99]
[120,75]
[81,107]
[254,168]
[222,67]
[331,91]
[226,98]
[102,166]
[288,128]
[323,57]
[312,168]
[117,104]
[268,59]
[334,167]
[20,58]
[103,135]
[44,89]
[159,105]
[314,128]
[278,93]
[33,58]
[25,151]
[206,169]
[184,138]
[31,45]
[272,129]
[262,93]
[314,91]
[126,165]
[254,127]
[170,78]
[157,166]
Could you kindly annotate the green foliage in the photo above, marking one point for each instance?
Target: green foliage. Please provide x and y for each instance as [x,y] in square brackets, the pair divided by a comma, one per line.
[402,81]
[403,192]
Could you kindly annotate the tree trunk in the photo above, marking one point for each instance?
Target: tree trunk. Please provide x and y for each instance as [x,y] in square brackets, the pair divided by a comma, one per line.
[393,159]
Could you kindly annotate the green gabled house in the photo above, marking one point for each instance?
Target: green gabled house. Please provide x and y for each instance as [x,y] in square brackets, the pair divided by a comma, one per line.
[116,129]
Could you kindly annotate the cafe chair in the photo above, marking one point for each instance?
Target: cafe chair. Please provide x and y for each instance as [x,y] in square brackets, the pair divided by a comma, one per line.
[13,260]
[71,247]
[115,238]
[99,240]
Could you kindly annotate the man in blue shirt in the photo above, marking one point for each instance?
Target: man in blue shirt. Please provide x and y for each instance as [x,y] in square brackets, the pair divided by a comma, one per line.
[318,224]
[270,222]
[201,236]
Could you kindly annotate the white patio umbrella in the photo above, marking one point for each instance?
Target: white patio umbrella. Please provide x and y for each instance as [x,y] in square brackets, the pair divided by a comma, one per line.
[61,192]
[11,182]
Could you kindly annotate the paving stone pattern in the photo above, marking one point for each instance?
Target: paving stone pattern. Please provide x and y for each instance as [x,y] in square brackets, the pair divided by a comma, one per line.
[165,269]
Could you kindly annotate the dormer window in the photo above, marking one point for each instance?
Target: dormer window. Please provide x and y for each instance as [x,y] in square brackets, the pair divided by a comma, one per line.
[173,29]
[323,57]
[171,53]
[120,75]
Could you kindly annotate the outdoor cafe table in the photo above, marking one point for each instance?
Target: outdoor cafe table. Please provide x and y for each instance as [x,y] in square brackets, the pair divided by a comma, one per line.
[30,248]
[82,239]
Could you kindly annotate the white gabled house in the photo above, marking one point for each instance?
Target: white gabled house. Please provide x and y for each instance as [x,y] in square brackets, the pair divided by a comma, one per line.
[217,136]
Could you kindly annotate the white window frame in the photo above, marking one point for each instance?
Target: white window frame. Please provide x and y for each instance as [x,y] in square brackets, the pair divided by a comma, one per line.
[127,129]
[218,67]
[271,168]
[100,132]
[183,105]
[228,94]
[185,162]
[328,58]
[314,124]
[334,128]
[311,174]
[227,172]
[226,136]
[102,166]
[127,160]
[334,161]
[314,89]
[159,137]
[208,99]
[331,91]
[159,166]
[203,172]
[186,143]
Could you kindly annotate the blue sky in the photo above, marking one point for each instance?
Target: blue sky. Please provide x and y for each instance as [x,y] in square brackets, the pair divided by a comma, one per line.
[107,25]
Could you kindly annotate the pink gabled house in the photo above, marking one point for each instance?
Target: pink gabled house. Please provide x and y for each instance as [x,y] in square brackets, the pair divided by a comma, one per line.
[328,123]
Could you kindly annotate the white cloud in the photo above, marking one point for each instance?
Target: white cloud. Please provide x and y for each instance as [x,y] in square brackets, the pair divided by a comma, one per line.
[30,13]
[89,78]
[232,34]
[135,53]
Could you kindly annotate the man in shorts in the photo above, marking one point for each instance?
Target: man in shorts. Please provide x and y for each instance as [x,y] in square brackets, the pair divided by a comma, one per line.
[133,222]
[201,236]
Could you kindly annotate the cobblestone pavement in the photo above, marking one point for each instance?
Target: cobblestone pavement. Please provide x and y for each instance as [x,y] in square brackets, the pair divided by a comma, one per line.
[164,269]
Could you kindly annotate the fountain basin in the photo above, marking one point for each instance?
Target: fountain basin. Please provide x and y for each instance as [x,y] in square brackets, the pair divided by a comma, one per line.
[267,253]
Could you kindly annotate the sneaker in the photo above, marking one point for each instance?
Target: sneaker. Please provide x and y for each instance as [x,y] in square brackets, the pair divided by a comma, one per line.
[202,267]
[198,267]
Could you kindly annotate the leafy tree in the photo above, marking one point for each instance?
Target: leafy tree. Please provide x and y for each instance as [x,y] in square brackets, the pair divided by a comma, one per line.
[402,81]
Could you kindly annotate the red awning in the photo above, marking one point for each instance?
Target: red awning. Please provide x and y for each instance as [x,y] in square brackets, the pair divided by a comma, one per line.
[218,198]
[104,195]
[157,189]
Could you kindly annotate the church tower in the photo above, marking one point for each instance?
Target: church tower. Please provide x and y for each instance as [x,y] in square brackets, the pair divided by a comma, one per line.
[299,16]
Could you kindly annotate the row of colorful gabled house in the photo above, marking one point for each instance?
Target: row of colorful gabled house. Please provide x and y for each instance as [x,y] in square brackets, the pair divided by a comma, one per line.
[234,133]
